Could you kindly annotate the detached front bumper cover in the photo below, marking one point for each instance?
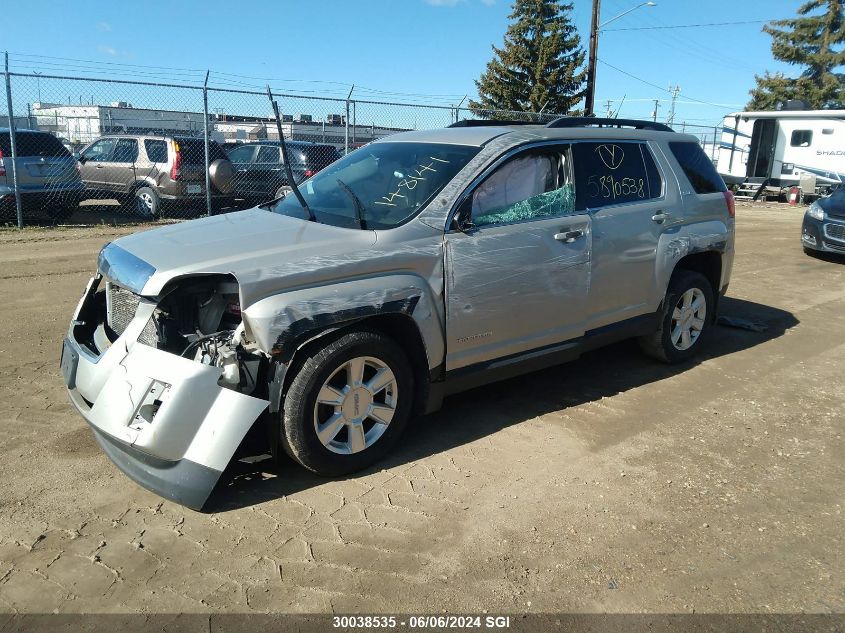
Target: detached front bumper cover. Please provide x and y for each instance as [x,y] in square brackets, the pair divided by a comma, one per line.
[162,419]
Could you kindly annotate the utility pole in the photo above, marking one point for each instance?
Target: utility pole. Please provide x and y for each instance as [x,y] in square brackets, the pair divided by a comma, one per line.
[675,91]
[654,112]
[608,107]
[590,98]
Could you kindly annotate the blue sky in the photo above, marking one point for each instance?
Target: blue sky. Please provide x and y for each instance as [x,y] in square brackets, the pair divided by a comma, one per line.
[402,50]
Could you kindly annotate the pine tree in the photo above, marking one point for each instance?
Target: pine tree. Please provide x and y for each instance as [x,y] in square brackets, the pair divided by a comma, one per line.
[539,66]
[809,41]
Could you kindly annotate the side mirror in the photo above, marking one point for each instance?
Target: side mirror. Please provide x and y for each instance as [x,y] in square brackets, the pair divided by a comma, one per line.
[80,157]
[462,221]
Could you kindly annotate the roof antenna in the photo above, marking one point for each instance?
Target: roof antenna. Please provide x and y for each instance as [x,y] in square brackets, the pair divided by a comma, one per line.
[288,171]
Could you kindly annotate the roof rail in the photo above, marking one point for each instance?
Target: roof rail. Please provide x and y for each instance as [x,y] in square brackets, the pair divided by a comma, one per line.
[490,123]
[585,121]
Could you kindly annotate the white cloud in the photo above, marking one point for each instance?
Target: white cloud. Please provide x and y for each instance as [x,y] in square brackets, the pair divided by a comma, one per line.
[103,27]
[108,50]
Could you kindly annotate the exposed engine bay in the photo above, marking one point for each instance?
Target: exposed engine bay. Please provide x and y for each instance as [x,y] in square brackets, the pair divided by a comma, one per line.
[198,319]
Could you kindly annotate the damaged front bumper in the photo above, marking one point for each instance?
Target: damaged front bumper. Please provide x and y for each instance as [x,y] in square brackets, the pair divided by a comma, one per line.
[164,420]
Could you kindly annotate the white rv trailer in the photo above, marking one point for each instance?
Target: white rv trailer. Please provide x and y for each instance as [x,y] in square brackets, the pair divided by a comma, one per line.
[777,150]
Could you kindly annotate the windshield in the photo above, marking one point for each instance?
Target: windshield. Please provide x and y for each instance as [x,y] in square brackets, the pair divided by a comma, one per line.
[383,184]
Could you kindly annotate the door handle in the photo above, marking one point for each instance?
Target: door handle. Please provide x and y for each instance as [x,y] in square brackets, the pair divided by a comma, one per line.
[242,171]
[99,166]
[660,217]
[567,237]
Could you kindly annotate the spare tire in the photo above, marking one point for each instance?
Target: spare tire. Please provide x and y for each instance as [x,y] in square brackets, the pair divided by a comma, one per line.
[222,175]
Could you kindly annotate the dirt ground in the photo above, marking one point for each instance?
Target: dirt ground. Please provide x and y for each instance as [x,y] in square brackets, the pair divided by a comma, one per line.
[612,484]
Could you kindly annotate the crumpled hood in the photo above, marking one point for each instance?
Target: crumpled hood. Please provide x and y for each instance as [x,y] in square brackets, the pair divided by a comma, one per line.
[251,245]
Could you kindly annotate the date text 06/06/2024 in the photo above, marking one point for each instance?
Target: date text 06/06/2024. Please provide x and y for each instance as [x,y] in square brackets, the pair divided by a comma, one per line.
[421,622]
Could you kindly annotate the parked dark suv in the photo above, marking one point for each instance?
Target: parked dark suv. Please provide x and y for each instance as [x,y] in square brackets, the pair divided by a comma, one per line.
[46,172]
[149,172]
[260,170]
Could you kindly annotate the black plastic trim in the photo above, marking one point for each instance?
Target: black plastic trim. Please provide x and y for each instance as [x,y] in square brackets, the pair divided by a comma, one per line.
[585,121]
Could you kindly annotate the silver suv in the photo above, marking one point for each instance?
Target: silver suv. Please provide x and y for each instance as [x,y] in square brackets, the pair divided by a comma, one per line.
[47,177]
[420,265]
[148,173]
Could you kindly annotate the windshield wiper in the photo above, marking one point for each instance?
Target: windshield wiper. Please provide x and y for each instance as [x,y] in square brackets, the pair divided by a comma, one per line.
[359,206]
[288,172]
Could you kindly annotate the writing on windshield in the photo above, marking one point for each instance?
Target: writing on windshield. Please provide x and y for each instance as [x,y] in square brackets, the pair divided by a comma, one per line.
[409,183]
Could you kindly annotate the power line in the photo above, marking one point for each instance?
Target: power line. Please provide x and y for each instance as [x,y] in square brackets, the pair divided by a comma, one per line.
[687,26]
[648,83]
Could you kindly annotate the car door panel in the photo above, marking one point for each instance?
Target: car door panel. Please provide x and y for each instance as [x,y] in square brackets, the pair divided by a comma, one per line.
[518,278]
[265,172]
[93,166]
[516,288]
[621,186]
[120,169]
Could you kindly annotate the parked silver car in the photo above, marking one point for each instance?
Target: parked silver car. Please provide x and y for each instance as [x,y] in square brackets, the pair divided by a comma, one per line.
[47,176]
[423,264]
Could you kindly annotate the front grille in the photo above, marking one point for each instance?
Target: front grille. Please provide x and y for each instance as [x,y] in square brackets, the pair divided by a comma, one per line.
[122,305]
[835,231]
[834,247]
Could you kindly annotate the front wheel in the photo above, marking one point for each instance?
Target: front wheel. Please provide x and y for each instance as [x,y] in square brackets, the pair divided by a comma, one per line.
[348,404]
[686,317]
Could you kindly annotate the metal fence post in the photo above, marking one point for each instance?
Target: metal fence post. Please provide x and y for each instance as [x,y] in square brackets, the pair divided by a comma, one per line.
[14,145]
[346,122]
[715,140]
[205,135]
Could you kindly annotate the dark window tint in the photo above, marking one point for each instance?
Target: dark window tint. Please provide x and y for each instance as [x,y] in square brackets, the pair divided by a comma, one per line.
[242,153]
[101,151]
[33,144]
[156,151]
[801,138]
[193,151]
[126,151]
[267,154]
[321,156]
[614,173]
[699,169]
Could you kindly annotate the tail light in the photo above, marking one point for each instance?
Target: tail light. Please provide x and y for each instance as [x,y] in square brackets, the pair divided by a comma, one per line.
[309,173]
[729,199]
[176,168]
[2,167]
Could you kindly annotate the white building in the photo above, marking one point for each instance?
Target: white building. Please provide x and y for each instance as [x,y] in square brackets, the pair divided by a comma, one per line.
[81,124]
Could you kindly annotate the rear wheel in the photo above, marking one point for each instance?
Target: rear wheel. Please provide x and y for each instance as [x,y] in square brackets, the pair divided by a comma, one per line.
[147,202]
[686,317]
[348,404]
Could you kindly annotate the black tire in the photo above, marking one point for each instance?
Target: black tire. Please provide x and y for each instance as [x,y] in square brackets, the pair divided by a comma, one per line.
[147,202]
[61,214]
[298,436]
[659,345]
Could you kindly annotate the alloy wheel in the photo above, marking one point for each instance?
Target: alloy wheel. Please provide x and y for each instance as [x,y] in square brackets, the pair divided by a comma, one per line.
[688,319]
[355,405]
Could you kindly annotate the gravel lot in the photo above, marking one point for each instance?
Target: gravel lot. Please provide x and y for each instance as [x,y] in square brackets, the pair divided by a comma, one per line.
[610,484]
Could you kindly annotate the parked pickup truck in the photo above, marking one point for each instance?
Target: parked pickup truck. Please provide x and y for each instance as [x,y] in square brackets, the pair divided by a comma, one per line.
[426,263]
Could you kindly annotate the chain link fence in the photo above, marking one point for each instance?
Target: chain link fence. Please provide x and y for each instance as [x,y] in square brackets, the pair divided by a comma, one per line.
[151,150]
